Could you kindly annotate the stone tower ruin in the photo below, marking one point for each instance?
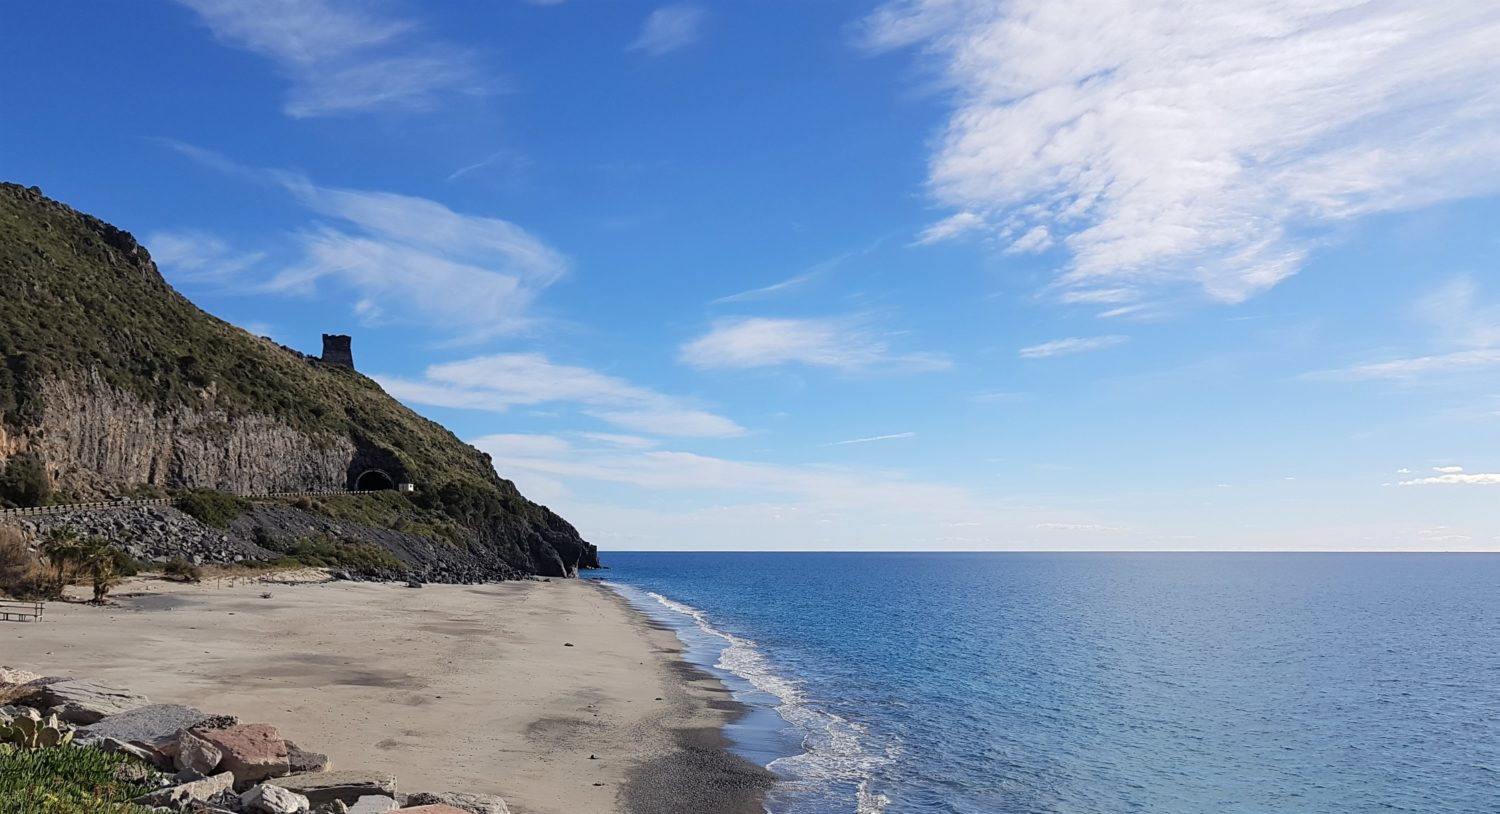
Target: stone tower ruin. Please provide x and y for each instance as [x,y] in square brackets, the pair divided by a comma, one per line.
[336,351]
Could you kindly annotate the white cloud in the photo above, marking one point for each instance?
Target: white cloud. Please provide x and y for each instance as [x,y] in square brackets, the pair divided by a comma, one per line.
[841,344]
[1165,142]
[673,499]
[955,225]
[1037,239]
[1418,366]
[617,440]
[668,29]
[496,383]
[1457,479]
[341,57]
[1448,470]
[407,259]
[1073,344]
[199,257]
[891,437]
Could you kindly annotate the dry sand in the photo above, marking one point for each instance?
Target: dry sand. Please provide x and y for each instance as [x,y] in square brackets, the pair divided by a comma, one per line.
[451,688]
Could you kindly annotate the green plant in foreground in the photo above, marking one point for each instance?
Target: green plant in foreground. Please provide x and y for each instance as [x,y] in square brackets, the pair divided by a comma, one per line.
[64,781]
[36,732]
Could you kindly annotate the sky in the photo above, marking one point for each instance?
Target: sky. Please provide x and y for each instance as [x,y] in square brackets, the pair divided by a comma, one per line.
[921,274]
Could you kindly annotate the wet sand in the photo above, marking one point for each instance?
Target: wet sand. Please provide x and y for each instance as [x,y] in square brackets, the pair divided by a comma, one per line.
[451,688]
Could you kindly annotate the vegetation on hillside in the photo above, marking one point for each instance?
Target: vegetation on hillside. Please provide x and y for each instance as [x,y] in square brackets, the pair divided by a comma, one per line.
[86,303]
[212,507]
[85,297]
[23,482]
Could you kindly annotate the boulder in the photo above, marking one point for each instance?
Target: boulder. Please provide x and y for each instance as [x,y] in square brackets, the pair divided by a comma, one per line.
[195,754]
[146,724]
[373,804]
[252,752]
[346,786]
[269,799]
[181,796]
[11,675]
[436,808]
[86,702]
[472,803]
[138,751]
[303,761]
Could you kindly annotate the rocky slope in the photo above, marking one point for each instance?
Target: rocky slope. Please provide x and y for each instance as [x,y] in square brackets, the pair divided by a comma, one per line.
[113,381]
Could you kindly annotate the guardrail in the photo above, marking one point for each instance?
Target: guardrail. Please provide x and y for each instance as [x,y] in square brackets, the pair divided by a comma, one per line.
[159,501]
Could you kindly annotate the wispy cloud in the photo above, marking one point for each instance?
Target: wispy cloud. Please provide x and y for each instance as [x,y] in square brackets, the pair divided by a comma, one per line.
[200,257]
[668,29]
[342,57]
[1073,344]
[1460,319]
[790,283]
[498,382]
[1091,527]
[891,437]
[1169,145]
[407,259]
[959,223]
[839,343]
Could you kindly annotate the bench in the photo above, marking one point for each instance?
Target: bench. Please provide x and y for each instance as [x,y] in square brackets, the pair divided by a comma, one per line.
[15,611]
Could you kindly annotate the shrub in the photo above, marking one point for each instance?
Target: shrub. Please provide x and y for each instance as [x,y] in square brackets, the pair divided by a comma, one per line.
[65,781]
[24,482]
[325,552]
[183,570]
[212,507]
[21,574]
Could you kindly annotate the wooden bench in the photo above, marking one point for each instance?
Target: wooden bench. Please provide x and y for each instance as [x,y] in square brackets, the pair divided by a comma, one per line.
[16,611]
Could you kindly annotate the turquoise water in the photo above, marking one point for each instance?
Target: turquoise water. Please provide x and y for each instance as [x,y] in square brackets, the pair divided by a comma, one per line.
[1094,683]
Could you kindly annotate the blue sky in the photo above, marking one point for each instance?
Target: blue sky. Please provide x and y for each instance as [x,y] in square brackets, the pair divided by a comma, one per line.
[929,274]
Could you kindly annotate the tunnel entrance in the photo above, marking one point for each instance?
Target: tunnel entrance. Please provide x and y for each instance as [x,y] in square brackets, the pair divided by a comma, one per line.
[373,480]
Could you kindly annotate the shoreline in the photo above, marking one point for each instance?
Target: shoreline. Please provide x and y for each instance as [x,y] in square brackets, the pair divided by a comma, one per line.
[558,696]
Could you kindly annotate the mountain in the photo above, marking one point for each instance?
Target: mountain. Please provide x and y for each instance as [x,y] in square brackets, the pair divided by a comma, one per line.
[114,383]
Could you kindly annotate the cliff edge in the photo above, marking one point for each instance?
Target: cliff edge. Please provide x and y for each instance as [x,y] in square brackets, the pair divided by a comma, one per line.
[112,382]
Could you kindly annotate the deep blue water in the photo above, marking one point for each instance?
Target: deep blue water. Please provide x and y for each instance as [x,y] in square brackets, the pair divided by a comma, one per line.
[1096,683]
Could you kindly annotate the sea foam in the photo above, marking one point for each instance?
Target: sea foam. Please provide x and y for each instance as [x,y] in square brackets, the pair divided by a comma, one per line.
[836,751]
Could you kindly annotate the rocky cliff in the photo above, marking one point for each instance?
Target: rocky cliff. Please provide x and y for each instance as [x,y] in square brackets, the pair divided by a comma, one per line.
[113,381]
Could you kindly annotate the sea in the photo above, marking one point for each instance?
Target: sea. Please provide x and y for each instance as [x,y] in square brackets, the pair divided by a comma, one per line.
[1098,683]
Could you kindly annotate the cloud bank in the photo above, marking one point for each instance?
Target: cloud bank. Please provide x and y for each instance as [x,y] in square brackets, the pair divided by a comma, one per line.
[1168,143]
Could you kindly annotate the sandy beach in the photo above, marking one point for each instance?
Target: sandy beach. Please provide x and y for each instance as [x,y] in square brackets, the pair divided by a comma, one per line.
[555,695]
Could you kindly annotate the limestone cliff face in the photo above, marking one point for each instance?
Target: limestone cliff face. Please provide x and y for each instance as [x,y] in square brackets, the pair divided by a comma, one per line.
[95,438]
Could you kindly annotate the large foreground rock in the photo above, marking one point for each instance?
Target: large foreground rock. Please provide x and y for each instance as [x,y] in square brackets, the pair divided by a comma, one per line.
[373,804]
[436,808]
[252,752]
[304,761]
[192,753]
[346,787]
[472,803]
[269,799]
[198,791]
[147,724]
[12,675]
[86,702]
